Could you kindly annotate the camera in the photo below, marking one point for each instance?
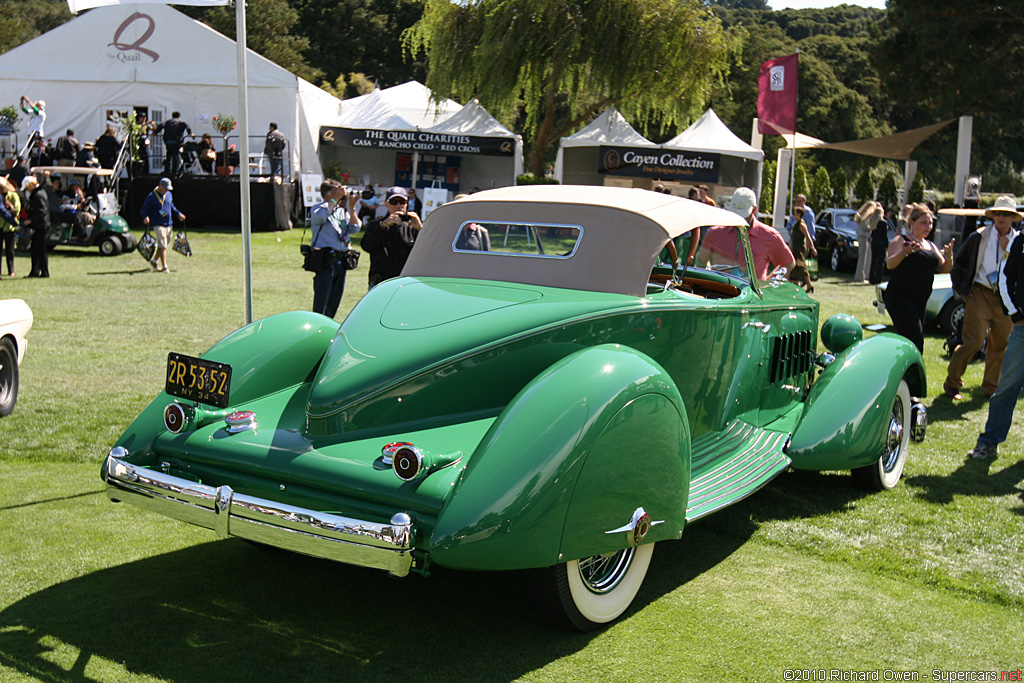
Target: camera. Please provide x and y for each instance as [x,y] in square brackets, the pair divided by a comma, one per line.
[405,217]
[367,194]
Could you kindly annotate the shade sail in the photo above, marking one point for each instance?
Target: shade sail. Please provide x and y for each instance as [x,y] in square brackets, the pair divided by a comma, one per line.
[896,146]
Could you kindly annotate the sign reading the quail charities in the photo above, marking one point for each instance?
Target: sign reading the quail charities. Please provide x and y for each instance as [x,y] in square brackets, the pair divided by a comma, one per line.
[416,141]
[666,164]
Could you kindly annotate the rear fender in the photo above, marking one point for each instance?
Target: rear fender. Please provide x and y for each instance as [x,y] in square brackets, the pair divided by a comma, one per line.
[847,414]
[563,449]
[265,356]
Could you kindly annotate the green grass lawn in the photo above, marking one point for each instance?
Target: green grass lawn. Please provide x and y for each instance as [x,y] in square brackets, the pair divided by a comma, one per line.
[807,574]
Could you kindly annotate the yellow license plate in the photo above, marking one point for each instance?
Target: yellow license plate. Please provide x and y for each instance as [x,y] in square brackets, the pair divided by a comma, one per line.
[198,379]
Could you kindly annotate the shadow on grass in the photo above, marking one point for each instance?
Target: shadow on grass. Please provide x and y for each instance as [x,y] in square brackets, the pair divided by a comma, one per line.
[225,610]
[972,478]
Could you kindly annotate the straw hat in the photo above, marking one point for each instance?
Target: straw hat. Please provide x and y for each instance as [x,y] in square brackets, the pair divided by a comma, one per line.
[1004,203]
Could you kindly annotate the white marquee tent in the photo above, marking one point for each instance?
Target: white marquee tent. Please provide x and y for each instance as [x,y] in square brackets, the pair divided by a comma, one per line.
[371,129]
[111,59]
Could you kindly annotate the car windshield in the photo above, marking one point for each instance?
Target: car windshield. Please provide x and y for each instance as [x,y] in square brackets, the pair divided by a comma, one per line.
[845,220]
[518,239]
[721,249]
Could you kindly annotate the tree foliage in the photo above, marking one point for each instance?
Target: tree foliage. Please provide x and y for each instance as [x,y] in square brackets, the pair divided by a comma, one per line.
[269,26]
[888,191]
[863,190]
[24,20]
[656,60]
[840,189]
[819,196]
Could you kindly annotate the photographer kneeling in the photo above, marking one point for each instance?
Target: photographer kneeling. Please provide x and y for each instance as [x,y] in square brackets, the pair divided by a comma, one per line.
[389,239]
[332,221]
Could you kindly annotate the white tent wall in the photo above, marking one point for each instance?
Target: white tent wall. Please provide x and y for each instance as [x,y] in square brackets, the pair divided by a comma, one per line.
[156,57]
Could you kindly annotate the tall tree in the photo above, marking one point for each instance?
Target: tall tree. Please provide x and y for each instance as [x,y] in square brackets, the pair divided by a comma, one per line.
[269,31]
[656,60]
[946,59]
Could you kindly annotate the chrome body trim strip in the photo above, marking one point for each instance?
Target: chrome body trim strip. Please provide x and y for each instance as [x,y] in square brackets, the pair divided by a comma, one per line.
[320,534]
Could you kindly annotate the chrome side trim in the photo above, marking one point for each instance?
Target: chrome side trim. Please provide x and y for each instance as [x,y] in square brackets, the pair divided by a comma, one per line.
[320,534]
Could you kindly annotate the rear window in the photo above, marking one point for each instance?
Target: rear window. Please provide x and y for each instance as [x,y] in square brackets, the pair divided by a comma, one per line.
[538,240]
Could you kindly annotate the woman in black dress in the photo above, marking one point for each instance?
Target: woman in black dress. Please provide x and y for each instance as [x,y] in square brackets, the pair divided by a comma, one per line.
[912,261]
[800,243]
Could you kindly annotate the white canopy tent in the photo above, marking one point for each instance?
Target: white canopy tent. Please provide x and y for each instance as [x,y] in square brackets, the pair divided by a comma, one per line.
[399,134]
[706,152]
[578,158]
[740,164]
[106,61]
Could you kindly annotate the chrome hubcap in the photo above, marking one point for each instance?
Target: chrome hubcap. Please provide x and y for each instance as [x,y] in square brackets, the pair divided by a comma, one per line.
[602,573]
[894,440]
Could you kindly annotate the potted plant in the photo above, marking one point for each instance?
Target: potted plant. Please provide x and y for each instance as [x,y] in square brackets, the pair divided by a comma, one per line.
[225,123]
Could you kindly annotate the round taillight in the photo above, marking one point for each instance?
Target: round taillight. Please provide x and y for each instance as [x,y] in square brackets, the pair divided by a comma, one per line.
[408,463]
[175,418]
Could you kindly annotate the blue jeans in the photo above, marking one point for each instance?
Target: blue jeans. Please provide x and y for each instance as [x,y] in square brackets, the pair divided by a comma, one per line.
[1003,402]
[328,286]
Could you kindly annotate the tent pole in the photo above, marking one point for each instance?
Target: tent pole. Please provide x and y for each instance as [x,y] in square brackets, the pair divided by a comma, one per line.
[243,152]
[415,171]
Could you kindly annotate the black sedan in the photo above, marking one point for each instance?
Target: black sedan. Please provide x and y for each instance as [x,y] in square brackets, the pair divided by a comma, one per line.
[836,232]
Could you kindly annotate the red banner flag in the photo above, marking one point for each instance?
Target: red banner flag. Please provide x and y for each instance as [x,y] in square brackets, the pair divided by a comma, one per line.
[776,96]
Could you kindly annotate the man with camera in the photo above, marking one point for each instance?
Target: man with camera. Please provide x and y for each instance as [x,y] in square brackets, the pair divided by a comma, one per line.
[332,221]
[389,239]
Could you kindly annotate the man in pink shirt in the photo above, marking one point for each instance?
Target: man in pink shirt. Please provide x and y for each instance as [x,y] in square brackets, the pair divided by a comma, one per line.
[721,244]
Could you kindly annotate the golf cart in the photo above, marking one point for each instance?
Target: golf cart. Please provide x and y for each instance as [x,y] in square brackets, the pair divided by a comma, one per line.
[108,230]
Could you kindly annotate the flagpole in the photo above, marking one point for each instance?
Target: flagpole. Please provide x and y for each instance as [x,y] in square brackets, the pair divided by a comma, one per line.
[792,160]
[243,152]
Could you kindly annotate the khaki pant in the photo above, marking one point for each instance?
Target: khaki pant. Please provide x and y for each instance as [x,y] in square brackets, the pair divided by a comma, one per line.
[983,316]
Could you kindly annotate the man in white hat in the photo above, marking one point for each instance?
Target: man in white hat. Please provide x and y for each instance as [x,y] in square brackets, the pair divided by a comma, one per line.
[975,278]
[1011,382]
[721,244]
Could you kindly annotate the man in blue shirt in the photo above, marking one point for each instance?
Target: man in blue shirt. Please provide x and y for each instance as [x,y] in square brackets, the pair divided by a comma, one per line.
[332,221]
[158,210]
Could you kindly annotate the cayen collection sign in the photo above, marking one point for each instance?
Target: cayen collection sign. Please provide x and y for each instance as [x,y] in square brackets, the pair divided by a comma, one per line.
[684,166]
[416,141]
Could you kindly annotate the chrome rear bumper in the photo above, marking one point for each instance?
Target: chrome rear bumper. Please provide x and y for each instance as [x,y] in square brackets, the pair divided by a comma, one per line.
[320,534]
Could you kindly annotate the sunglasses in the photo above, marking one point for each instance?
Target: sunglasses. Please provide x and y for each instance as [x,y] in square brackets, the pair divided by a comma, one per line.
[397,201]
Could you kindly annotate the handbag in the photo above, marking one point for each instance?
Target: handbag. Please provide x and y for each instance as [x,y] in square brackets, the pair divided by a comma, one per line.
[812,267]
[147,246]
[350,259]
[315,260]
[181,244]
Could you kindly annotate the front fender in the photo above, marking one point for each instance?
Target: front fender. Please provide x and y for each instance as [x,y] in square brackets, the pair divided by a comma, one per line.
[588,413]
[847,414]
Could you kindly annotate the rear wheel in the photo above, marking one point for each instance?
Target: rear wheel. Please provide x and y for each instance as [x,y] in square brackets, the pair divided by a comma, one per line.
[583,595]
[886,472]
[110,246]
[8,377]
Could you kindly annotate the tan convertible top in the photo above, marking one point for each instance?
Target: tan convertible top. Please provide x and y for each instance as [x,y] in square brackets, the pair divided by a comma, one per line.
[624,229]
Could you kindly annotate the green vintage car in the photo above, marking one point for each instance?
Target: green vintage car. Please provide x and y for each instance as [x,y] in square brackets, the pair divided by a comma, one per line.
[538,391]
